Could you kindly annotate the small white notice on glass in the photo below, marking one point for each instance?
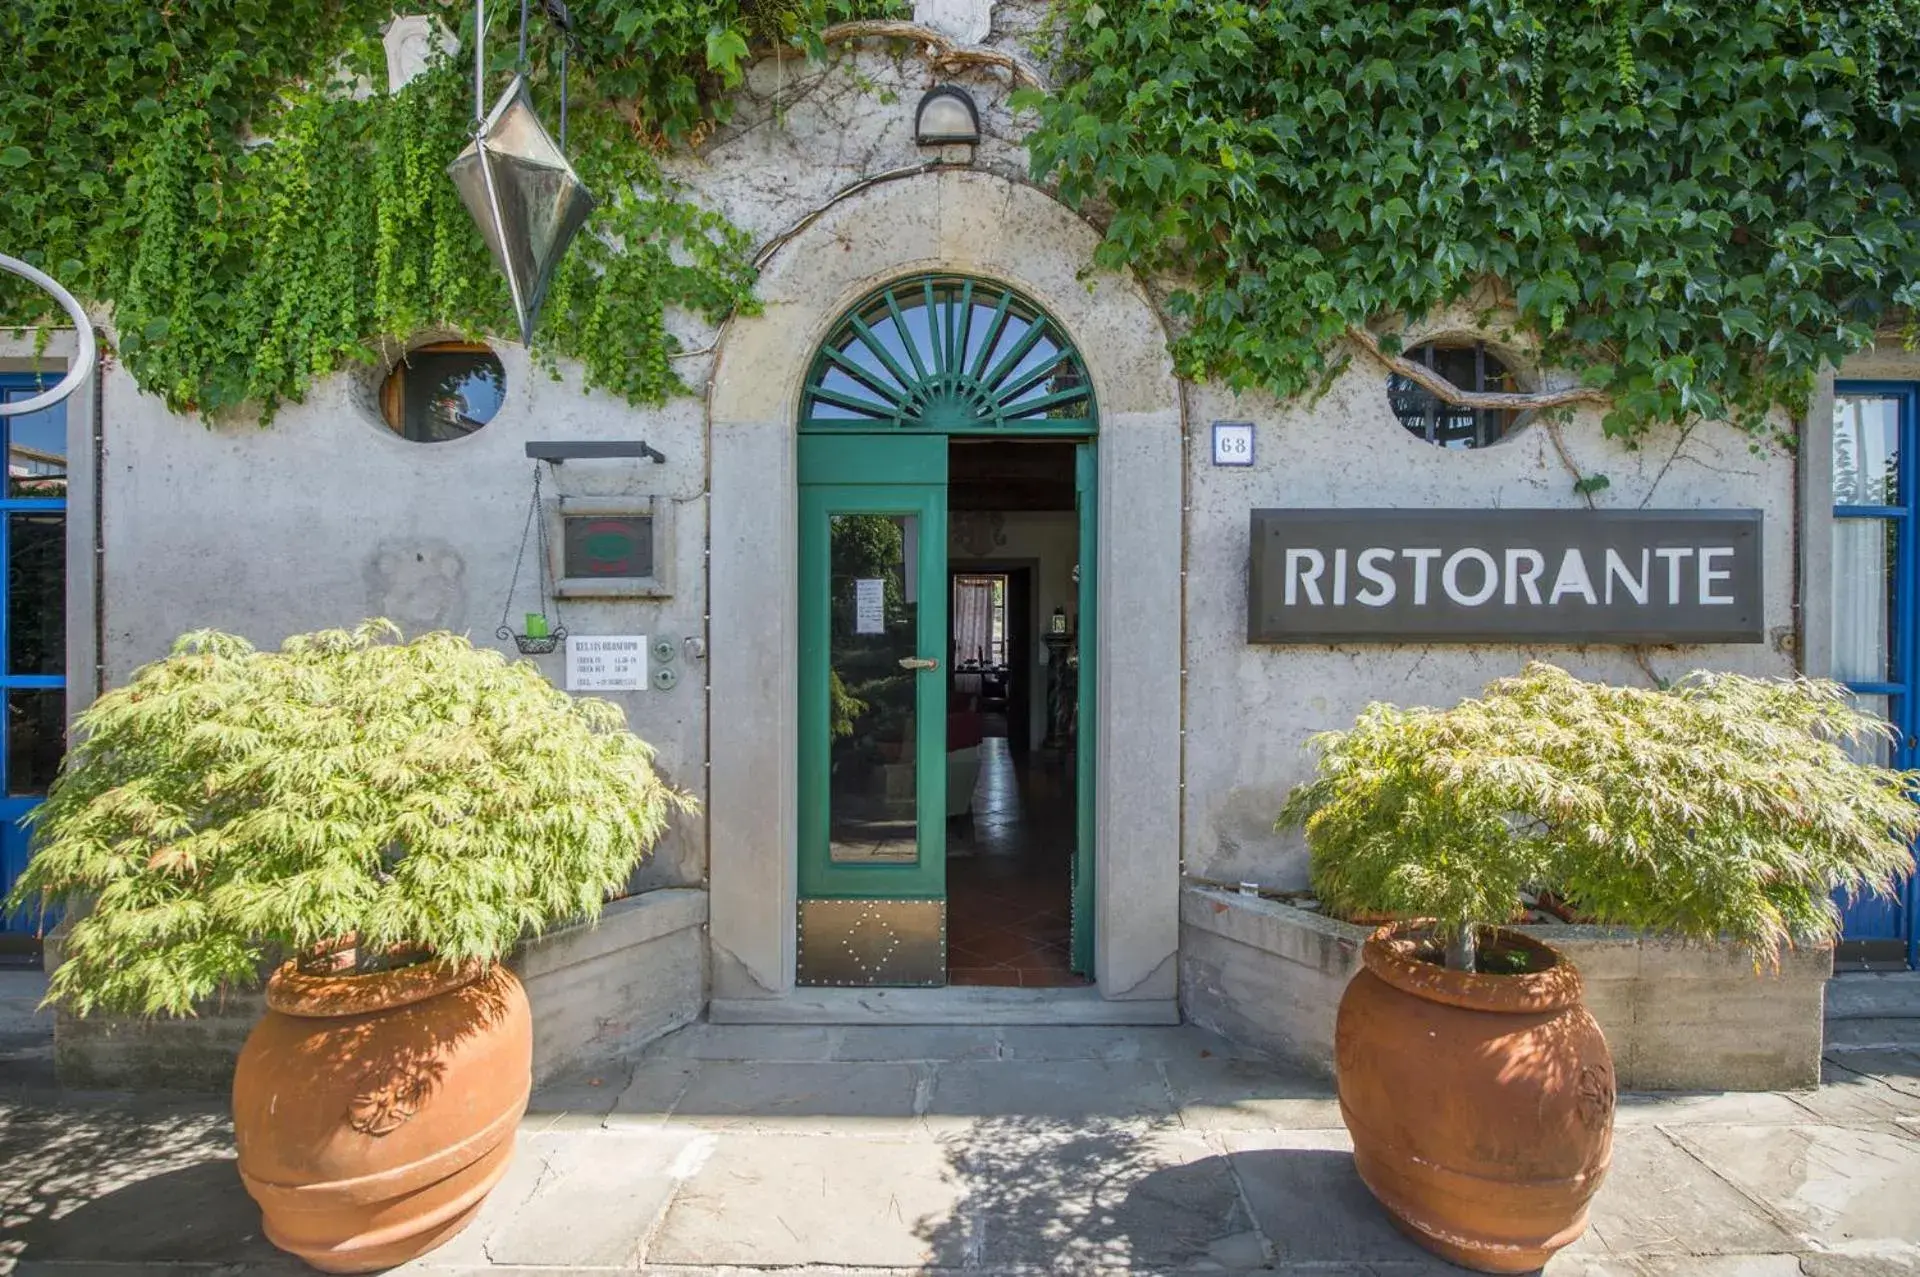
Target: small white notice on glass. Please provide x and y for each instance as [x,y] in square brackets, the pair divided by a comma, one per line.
[606,663]
[869,605]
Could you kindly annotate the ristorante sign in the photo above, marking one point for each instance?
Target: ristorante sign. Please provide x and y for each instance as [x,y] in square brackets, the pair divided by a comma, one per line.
[1495,576]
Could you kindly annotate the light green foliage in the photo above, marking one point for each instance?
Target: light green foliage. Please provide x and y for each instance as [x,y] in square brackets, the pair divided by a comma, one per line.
[1723,806]
[240,272]
[228,804]
[1691,203]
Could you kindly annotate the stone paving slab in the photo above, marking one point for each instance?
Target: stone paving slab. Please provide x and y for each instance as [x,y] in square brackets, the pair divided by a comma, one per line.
[1096,1194]
[1659,1200]
[1018,1151]
[768,1200]
[1309,1202]
[1848,1097]
[846,1095]
[1750,1108]
[1236,1095]
[1836,1187]
[1054,1090]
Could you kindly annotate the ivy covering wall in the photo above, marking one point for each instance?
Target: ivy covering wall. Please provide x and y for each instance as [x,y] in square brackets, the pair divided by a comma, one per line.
[207,168]
[1690,203]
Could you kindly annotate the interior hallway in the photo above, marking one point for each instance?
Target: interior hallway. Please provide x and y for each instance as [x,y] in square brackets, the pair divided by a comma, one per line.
[1009,877]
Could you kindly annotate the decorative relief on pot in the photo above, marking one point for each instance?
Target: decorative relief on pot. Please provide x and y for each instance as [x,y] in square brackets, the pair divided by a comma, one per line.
[380,1110]
[1595,1092]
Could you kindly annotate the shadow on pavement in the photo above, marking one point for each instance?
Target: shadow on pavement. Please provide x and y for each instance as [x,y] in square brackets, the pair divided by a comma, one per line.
[1100,1194]
[127,1185]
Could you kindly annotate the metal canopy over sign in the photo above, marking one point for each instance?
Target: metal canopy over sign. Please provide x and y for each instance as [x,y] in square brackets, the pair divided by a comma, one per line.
[528,201]
[1502,576]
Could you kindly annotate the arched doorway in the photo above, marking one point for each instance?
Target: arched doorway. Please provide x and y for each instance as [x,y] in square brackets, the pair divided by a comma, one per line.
[913,675]
[966,223]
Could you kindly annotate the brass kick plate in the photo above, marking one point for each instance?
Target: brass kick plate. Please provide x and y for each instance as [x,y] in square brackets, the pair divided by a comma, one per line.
[873,943]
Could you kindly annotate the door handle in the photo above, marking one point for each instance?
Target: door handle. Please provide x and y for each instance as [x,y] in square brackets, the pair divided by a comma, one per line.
[919,663]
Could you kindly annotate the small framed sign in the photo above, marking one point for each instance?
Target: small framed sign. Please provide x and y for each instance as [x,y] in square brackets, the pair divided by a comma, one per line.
[1233,443]
[606,663]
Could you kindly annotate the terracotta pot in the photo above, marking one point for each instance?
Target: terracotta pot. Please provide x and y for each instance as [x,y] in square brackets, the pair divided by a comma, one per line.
[1481,1106]
[375,1112]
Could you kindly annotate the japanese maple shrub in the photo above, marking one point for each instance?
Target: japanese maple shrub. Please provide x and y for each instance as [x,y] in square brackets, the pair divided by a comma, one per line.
[1723,806]
[425,797]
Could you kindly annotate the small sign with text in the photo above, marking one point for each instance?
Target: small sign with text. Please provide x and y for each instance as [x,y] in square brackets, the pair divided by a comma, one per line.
[606,663]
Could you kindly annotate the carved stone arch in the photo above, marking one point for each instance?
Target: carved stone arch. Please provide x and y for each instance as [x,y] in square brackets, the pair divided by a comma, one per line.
[967,223]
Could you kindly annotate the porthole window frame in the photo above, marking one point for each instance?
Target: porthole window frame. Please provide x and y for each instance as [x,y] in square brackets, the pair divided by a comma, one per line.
[391,383]
[656,585]
[1517,375]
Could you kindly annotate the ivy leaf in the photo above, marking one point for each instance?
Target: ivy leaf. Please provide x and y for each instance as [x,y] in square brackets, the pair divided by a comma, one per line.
[15,157]
[1591,484]
[725,48]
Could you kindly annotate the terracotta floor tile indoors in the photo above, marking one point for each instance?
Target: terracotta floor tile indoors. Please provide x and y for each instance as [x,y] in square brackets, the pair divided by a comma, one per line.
[1009,876]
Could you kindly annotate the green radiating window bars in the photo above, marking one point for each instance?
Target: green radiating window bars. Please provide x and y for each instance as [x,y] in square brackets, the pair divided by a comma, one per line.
[948,355]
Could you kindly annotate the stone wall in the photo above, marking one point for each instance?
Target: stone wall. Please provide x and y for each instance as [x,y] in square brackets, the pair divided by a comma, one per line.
[1251,708]
[1678,1017]
[595,988]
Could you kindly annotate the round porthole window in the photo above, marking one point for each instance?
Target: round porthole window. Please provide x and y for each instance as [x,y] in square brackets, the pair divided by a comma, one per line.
[446,390]
[1468,365]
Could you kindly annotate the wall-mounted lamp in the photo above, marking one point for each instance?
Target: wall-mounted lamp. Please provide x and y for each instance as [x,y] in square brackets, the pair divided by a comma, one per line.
[946,115]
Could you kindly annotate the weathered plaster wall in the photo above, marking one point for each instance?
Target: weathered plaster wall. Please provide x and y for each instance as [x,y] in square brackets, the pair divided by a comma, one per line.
[325,517]
[1251,708]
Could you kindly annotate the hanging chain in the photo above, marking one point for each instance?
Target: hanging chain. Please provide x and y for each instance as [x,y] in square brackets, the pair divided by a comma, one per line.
[533,508]
[546,570]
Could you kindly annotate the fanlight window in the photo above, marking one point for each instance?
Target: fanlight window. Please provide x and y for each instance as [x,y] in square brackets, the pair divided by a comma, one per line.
[951,355]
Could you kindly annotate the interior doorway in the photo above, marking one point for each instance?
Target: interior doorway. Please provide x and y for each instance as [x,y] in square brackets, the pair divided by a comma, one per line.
[1013,553]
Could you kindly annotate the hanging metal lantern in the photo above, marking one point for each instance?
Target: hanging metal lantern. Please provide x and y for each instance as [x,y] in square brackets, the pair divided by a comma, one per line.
[525,196]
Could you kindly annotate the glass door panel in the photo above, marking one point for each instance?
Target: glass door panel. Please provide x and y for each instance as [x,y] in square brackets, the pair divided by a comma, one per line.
[873,714]
[873,789]
[1865,566]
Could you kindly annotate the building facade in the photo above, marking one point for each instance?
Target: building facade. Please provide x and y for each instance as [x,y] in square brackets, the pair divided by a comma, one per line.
[940,387]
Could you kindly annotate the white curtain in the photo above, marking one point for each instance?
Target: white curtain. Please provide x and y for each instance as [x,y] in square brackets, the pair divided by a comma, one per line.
[972,618]
[1862,550]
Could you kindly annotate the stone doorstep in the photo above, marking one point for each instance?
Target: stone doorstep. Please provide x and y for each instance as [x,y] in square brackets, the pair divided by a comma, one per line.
[1677,1016]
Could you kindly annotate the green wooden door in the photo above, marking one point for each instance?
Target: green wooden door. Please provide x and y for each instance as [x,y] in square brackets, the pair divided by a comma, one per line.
[873,713]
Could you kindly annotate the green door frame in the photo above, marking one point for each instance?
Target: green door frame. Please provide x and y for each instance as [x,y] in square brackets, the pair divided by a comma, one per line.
[1086,488]
[901,475]
[911,364]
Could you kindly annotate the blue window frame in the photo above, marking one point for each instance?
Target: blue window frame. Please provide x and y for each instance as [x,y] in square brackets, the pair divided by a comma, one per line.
[33,649]
[1876,604]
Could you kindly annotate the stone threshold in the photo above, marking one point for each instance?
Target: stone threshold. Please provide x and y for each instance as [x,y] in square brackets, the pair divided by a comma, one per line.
[967,1004]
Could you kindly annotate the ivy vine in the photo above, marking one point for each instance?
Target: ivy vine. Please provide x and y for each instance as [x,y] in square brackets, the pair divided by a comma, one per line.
[1691,204]
[209,169]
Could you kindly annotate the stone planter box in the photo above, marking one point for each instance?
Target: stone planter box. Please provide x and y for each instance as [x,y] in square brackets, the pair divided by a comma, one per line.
[1678,1017]
[641,971]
